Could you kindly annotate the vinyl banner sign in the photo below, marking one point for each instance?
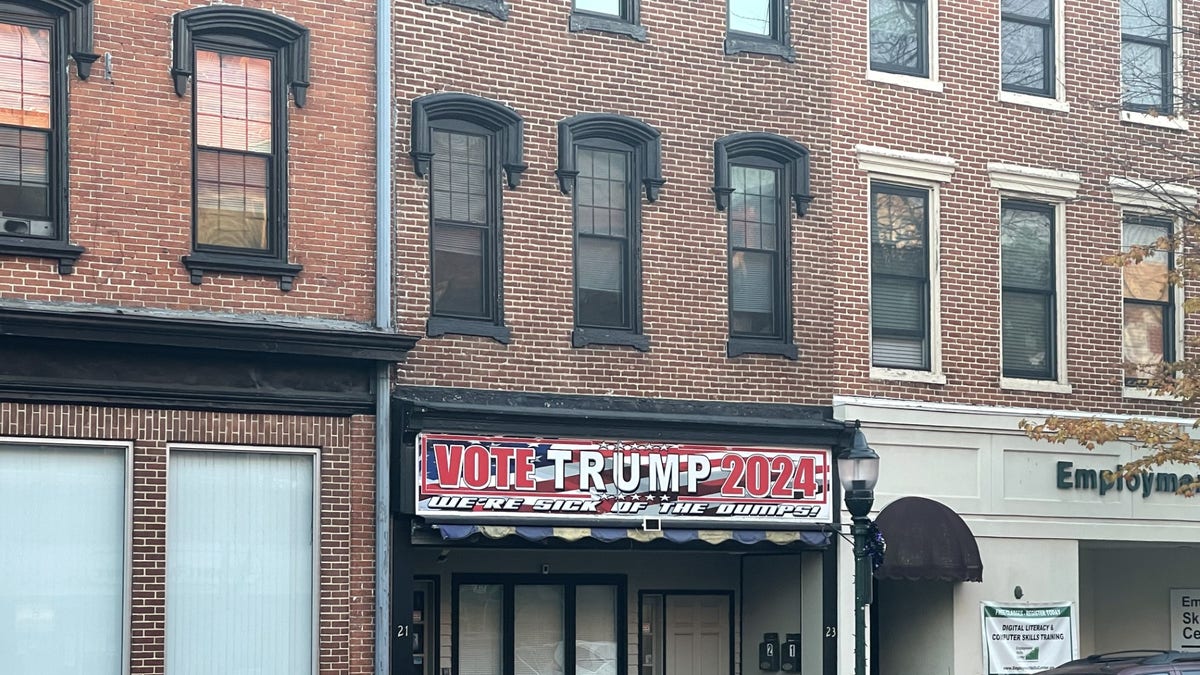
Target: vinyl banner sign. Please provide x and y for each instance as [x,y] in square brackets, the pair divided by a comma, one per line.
[603,483]
[1028,637]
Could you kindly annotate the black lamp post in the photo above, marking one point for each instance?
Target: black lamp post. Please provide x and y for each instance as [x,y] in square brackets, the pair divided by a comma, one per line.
[858,468]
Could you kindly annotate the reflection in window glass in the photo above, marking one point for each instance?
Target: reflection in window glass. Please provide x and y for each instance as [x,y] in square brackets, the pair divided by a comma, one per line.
[609,7]
[899,36]
[538,630]
[899,277]
[1027,46]
[754,243]
[25,131]
[1149,309]
[1146,55]
[459,191]
[1027,301]
[601,224]
[750,16]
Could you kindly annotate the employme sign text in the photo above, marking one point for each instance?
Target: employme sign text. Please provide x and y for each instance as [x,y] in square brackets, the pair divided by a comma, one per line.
[619,482]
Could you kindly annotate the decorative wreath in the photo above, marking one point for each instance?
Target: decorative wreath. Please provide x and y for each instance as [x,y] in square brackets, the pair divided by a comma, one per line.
[876,546]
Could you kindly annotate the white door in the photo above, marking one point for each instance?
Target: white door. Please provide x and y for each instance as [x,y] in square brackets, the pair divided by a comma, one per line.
[697,635]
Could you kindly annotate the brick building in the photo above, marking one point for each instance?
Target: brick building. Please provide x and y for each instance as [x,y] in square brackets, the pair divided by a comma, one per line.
[726,228]
[191,355]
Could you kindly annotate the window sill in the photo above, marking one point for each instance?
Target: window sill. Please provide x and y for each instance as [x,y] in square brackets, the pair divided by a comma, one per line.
[438,326]
[582,21]
[1147,394]
[1043,102]
[582,337]
[912,81]
[199,263]
[737,43]
[1024,384]
[740,346]
[497,8]
[66,254]
[906,375]
[1178,123]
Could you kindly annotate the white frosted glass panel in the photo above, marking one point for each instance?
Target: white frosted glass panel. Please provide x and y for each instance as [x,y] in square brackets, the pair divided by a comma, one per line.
[62,545]
[480,617]
[239,563]
[538,633]
[596,630]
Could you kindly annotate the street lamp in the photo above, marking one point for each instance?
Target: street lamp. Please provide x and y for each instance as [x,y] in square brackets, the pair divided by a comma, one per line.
[858,469]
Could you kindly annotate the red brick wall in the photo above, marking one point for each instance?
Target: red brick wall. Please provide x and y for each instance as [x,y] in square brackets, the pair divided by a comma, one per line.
[681,82]
[347,510]
[130,174]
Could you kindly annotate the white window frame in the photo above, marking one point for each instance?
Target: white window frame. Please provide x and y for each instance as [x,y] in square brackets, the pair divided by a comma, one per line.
[930,83]
[1137,196]
[315,454]
[1054,188]
[127,544]
[1059,101]
[928,172]
[1177,121]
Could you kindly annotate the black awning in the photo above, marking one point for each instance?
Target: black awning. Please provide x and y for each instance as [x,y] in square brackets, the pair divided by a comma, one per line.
[926,541]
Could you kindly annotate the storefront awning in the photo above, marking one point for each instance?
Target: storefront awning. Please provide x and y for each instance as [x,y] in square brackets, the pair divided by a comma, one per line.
[808,538]
[926,541]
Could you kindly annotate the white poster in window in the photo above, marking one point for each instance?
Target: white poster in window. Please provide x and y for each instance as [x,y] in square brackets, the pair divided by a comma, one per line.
[1185,619]
[1028,637]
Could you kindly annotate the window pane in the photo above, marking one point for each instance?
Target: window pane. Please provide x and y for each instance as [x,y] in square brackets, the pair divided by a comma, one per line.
[459,177]
[233,102]
[1142,76]
[1037,9]
[1148,279]
[610,7]
[898,306]
[1027,343]
[1023,55]
[750,16]
[231,200]
[480,626]
[538,630]
[1146,18]
[596,630]
[601,272]
[458,259]
[62,560]
[602,192]
[1145,337]
[1026,249]
[899,353]
[898,234]
[25,182]
[239,563]
[898,34]
[752,279]
[25,76]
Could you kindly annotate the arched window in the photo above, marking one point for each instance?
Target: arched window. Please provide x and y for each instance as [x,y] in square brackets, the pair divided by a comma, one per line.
[757,177]
[605,162]
[462,143]
[241,62]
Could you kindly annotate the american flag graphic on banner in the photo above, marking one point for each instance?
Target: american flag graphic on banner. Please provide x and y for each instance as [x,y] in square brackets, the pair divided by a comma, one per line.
[603,482]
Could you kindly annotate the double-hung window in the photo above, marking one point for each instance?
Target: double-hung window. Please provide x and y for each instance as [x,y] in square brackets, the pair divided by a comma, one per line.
[900,277]
[506,625]
[900,37]
[1027,49]
[1147,56]
[605,163]
[463,143]
[33,124]
[1028,309]
[1149,333]
[63,557]
[611,16]
[242,546]
[757,178]
[759,26]
[241,62]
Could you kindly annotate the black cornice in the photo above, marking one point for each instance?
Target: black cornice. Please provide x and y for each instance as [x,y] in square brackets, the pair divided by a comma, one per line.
[496,118]
[78,15]
[773,147]
[645,139]
[250,336]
